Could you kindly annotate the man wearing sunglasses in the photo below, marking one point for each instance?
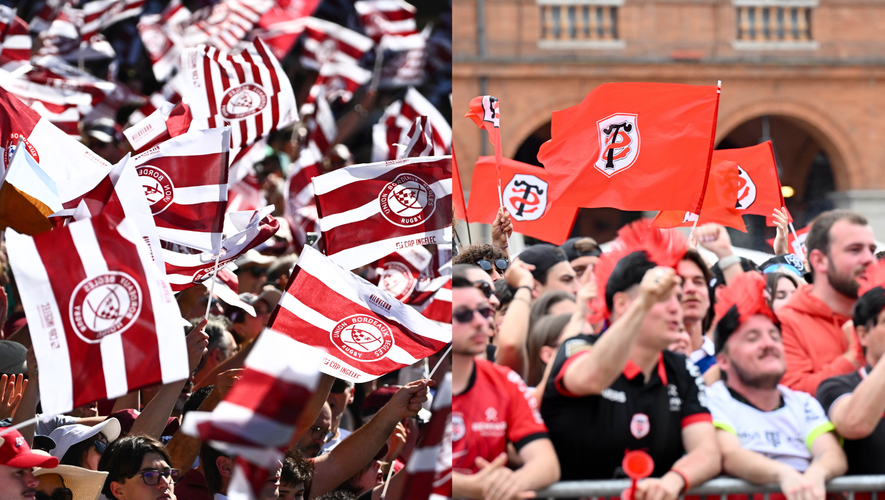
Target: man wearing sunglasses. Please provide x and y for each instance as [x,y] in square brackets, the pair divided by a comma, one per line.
[17,481]
[490,407]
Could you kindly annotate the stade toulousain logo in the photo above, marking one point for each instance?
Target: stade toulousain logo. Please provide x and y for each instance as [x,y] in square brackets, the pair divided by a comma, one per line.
[104,305]
[362,337]
[490,111]
[619,143]
[407,201]
[243,101]
[746,195]
[526,197]
[397,279]
[158,188]
[12,144]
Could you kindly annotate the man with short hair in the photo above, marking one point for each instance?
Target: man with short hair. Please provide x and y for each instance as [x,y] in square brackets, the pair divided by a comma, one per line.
[582,253]
[491,407]
[855,402]
[17,481]
[312,441]
[767,432]
[623,390]
[697,308]
[817,343]
[340,397]
[552,270]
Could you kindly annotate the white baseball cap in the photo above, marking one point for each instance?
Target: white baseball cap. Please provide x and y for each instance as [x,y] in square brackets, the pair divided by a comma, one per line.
[85,484]
[69,435]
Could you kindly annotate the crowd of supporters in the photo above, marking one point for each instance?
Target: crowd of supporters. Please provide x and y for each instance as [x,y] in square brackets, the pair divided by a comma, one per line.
[565,358]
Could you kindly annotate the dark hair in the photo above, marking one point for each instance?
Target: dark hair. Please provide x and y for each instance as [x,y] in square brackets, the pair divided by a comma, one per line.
[819,235]
[295,468]
[544,333]
[695,258]
[196,399]
[505,293]
[868,307]
[76,454]
[122,459]
[542,306]
[459,275]
[215,328]
[771,280]
[730,322]
[627,273]
[208,458]
[475,253]
[337,494]
[280,267]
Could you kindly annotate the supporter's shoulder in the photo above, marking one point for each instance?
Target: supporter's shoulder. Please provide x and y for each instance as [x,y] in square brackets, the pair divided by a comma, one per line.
[718,390]
[577,344]
[839,384]
[500,373]
[681,364]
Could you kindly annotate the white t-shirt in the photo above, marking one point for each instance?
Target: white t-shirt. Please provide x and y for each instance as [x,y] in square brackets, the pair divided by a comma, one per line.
[785,434]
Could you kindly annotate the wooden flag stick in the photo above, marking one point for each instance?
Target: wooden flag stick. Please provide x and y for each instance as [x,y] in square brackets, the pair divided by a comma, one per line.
[441,358]
[212,286]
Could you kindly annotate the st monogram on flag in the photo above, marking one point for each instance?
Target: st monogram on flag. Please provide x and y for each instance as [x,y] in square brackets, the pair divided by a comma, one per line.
[759,187]
[719,201]
[249,91]
[370,211]
[105,322]
[185,182]
[621,146]
[365,331]
[526,195]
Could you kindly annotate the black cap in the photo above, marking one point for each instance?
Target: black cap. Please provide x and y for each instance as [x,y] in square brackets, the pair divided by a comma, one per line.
[719,279]
[339,386]
[573,253]
[44,443]
[543,257]
[13,358]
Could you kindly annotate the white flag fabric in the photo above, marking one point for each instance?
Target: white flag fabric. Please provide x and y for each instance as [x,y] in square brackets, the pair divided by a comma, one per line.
[103,320]
[398,119]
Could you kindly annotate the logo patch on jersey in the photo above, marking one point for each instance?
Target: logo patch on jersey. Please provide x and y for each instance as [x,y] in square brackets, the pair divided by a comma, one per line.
[491,414]
[618,143]
[773,437]
[458,427]
[640,425]
[575,346]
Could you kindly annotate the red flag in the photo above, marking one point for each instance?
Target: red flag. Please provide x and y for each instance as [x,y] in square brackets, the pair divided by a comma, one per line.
[797,243]
[633,146]
[301,213]
[283,24]
[439,307]
[526,197]
[185,182]
[102,318]
[327,42]
[719,201]
[228,23]
[370,211]
[759,190]
[485,114]
[420,143]
[365,331]
[429,470]
[458,205]
[100,14]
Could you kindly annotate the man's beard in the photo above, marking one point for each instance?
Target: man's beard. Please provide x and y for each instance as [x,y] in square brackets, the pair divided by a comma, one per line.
[846,285]
[766,381]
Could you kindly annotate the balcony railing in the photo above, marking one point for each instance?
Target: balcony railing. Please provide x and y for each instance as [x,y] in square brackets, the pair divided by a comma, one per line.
[588,24]
[774,24]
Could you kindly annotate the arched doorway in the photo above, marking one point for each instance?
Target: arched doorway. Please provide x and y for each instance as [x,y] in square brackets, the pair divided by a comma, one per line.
[805,167]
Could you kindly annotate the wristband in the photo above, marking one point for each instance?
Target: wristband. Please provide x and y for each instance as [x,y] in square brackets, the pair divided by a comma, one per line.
[523,299]
[521,287]
[684,479]
[729,261]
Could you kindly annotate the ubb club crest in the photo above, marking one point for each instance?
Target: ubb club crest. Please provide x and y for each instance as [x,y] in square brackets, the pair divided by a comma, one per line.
[746,190]
[407,201]
[397,280]
[104,305]
[12,143]
[158,188]
[243,101]
[618,143]
[362,337]
[526,197]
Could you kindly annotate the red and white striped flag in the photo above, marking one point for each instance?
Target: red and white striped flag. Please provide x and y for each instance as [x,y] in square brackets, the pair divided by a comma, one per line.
[246,230]
[387,17]
[257,417]
[162,124]
[248,91]
[159,34]
[281,26]
[409,275]
[63,108]
[322,128]
[326,42]
[228,23]
[300,209]
[394,126]
[404,60]
[185,182]
[370,211]
[103,320]
[15,42]
[340,79]
[59,155]
[420,139]
[439,307]
[100,14]
[366,332]
[429,470]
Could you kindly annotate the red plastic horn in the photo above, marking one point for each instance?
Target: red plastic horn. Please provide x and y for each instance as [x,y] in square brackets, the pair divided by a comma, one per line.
[637,465]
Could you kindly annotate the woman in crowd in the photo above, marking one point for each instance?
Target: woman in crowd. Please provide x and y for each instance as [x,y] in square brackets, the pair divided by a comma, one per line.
[139,468]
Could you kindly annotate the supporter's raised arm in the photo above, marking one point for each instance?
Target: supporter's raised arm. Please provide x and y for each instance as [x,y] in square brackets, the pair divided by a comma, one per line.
[715,238]
[597,370]
[502,228]
[781,222]
[511,337]
[27,407]
[702,461]
[359,448]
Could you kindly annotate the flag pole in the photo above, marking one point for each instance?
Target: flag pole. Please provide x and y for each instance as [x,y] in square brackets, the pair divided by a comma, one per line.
[801,245]
[387,481]
[693,226]
[212,286]
[441,358]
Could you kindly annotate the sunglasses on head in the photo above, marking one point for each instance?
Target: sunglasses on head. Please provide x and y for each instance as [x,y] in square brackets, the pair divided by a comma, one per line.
[466,315]
[486,265]
[58,494]
[484,287]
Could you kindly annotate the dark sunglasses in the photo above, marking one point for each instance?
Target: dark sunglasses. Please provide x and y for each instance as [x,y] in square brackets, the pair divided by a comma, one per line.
[58,494]
[101,444]
[152,477]
[486,265]
[484,287]
[466,315]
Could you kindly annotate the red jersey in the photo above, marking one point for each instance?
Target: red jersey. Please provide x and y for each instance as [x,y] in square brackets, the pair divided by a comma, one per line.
[495,408]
